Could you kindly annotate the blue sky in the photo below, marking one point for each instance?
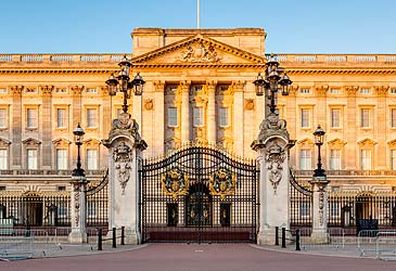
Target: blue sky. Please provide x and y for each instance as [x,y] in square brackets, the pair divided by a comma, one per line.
[100,26]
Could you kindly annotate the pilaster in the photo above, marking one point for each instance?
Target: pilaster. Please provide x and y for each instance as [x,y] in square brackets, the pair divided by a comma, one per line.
[211,116]
[351,161]
[16,146]
[159,113]
[238,116]
[380,129]
[46,93]
[183,90]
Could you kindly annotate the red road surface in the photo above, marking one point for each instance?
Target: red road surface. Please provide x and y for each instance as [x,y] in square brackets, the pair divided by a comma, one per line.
[183,257]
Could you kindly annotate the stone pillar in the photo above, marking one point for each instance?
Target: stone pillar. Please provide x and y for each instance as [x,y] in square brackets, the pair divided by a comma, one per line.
[78,232]
[46,92]
[211,120]
[273,146]
[380,125]
[184,89]
[125,146]
[16,146]
[77,104]
[319,210]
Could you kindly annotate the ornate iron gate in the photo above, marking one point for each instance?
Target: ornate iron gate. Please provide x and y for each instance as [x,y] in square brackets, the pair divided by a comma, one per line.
[199,194]
[300,204]
[97,203]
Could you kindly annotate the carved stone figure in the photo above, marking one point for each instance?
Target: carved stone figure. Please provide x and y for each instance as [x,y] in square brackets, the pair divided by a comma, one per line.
[122,159]
[275,157]
[123,174]
[200,53]
[272,125]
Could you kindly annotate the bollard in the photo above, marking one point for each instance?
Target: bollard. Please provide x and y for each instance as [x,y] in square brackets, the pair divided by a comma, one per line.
[123,235]
[100,239]
[114,238]
[283,237]
[276,236]
[298,240]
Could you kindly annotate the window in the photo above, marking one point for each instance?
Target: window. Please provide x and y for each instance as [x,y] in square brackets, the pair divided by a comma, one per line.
[393,159]
[61,159]
[364,91]
[198,116]
[31,118]
[393,90]
[305,159]
[305,90]
[91,90]
[32,159]
[61,188]
[172,116]
[304,118]
[335,118]
[335,91]
[62,211]
[3,159]
[92,159]
[3,118]
[393,117]
[223,116]
[365,159]
[61,119]
[3,91]
[335,159]
[196,88]
[365,118]
[92,118]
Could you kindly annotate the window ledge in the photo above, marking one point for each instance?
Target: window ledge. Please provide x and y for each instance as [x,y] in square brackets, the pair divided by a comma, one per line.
[31,129]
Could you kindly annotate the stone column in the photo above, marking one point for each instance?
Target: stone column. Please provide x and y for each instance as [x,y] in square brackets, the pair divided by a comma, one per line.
[78,232]
[238,117]
[46,92]
[159,113]
[273,146]
[125,146]
[319,210]
[16,146]
[184,90]
[211,120]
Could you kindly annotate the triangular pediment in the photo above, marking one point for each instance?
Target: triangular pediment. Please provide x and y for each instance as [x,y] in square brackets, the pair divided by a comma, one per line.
[366,141]
[31,141]
[305,141]
[337,141]
[198,50]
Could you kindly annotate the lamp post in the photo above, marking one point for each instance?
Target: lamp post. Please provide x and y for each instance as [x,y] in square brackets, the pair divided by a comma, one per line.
[78,232]
[319,136]
[319,183]
[78,133]
[275,79]
[122,83]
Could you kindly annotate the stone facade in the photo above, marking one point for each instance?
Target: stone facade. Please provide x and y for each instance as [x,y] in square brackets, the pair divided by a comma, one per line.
[199,87]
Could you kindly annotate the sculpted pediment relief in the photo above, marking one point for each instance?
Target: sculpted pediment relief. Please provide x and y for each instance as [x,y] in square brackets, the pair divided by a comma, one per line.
[198,50]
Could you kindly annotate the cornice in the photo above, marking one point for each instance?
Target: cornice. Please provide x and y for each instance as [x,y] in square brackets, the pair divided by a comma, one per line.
[352,71]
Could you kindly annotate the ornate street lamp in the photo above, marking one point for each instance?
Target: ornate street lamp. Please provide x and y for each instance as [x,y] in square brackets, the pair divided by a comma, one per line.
[122,83]
[319,136]
[275,79]
[78,139]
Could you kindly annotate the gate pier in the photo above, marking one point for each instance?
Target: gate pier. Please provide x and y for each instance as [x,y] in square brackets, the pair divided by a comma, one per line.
[125,146]
[273,146]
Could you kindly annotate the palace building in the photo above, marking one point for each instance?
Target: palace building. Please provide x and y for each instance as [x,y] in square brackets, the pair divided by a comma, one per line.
[199,87]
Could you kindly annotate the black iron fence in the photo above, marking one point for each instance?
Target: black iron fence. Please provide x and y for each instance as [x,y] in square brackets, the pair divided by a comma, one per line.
[34,209]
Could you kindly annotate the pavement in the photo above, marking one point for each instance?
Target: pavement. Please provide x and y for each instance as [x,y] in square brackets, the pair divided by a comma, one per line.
[191,257]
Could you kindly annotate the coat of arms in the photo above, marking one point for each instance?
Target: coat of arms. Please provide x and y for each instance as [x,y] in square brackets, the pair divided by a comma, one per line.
[222,183]
[175,183]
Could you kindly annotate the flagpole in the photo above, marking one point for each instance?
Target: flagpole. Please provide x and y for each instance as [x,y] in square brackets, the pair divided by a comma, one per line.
[198,15]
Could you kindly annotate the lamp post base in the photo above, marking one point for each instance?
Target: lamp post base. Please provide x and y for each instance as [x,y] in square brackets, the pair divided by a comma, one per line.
[77,237]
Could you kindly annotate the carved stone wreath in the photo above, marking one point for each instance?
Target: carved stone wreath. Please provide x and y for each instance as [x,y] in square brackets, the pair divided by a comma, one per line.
[175,183]
[222,183]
